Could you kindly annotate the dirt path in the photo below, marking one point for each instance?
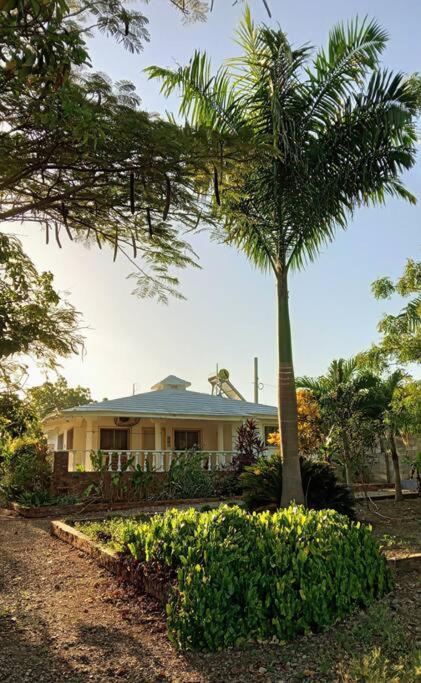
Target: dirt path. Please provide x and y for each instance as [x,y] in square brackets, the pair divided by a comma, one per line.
[64,619]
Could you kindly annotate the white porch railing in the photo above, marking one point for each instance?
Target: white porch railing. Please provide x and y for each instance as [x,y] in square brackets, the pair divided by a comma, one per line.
[159,461]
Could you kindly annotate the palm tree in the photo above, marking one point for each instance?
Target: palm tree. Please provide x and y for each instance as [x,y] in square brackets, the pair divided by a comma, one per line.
[343,392]
[315,138]
[391,420]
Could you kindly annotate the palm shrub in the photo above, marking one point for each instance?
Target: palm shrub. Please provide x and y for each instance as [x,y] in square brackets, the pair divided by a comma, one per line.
[298,141]
[240,577]
[262,486]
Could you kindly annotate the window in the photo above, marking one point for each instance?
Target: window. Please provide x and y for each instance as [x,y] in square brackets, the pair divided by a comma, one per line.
[114,439]
[269,429]
[186,439]
[60,442]
[69,439]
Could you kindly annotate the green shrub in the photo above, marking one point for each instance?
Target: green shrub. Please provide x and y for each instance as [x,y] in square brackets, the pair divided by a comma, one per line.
[242,577]
[26,467]
[43,498]
[262,486]
[188,479]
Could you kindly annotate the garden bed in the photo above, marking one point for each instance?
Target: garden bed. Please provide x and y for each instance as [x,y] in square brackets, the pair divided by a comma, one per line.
[60,511]
[205,567]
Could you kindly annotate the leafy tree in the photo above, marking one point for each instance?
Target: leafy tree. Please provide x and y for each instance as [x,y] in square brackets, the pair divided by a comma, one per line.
[323,135]
[400,334]
[78,156]
[34,319]
[55,396]
[17,417]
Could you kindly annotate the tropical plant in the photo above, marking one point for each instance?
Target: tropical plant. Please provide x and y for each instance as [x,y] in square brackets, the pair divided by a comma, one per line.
[262,486]
[237,577]
[248,445]
[321,136]
[399,402]
[49,397]
[26,467]
[345,395]
[400,340]
[309,421]
[187,477]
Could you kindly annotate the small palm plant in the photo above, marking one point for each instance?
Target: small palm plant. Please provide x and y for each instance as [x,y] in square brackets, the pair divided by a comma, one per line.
[297,142]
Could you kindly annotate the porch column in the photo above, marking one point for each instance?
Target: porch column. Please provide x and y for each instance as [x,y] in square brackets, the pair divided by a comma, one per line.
[89,444]
[220,436]
[159,463]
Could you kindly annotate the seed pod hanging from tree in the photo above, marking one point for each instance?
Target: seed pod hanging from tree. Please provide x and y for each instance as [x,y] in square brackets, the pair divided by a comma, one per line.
[148,218]
[134,245]
[132,191]
[47,233]
[65,213]
[216,186]
[167,198]
[57,234]
[115,245]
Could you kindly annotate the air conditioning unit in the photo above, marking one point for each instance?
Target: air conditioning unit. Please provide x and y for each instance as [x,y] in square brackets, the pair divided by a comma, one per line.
[126,421]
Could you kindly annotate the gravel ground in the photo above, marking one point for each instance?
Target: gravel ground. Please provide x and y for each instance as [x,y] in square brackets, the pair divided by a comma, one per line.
[64,619]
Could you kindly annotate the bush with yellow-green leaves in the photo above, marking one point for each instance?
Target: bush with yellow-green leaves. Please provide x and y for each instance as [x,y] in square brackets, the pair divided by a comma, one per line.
[242,577]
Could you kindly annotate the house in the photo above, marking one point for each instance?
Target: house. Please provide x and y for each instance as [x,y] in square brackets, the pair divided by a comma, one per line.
[152,426]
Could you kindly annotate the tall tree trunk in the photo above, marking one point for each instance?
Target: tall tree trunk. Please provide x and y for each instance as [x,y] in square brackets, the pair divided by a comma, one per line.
[385,454]
[292,488]
[395,461]
[347,456]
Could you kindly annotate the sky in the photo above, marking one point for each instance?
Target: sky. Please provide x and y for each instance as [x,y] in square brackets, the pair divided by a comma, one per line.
[229,314]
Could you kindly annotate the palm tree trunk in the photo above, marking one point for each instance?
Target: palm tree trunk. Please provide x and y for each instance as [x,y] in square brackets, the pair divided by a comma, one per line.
[395,461]
[385,454]
[347,456]
[292,488]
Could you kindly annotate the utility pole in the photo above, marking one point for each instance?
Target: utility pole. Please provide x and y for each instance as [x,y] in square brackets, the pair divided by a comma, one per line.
[256,380]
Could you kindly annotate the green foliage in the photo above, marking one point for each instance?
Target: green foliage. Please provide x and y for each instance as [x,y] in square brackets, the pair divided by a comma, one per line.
[56,396]
[44,498]
[311,121]
[17,417]
[262,486]
[348,396]
[78,157]
[400,334]
[188,479]
[26,467]
[111,532]
[34,318]
[242,577]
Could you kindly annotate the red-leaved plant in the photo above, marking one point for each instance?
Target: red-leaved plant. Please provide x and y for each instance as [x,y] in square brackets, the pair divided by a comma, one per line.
[249,445]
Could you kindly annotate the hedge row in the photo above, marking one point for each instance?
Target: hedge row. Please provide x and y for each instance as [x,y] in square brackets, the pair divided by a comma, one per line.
[243,577]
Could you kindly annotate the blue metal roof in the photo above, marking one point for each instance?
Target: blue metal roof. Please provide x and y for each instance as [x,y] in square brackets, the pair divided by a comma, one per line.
[177,402]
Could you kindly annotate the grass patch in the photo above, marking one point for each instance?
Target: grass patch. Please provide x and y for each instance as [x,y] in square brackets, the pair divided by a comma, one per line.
[111,532]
